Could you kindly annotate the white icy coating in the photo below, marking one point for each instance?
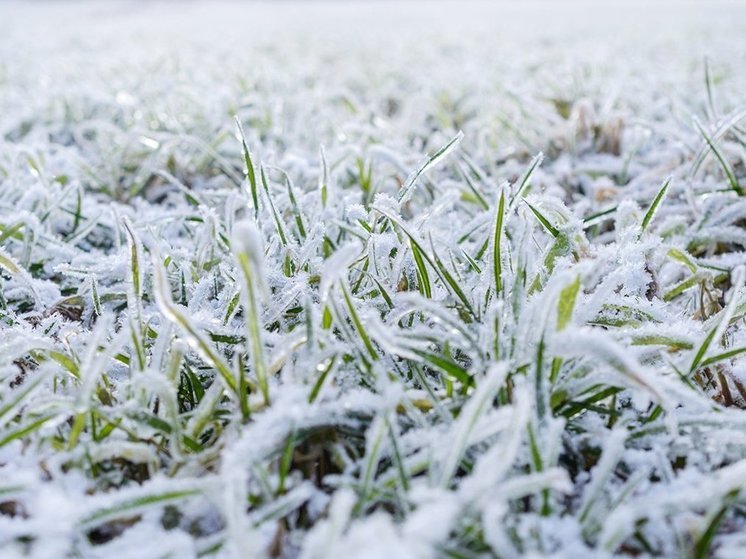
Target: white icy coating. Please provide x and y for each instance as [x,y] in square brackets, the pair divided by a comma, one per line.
[404,403]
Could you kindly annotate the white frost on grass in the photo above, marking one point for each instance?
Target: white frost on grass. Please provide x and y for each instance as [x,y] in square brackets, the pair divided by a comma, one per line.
[460,328]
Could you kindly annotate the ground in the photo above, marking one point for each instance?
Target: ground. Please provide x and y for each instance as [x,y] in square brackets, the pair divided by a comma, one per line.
[372,279]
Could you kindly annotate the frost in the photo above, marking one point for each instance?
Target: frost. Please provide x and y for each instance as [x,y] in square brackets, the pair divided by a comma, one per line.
[220,339]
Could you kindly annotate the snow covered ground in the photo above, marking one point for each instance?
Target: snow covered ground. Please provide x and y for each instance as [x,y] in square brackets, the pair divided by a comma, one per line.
[372,279]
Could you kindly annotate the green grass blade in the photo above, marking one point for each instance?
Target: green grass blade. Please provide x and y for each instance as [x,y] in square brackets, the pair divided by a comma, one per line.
[724,164]
[650,214]
[566,305]
[497,242]
[246,246]
[422,275]
[433,160]
[551,229]
[526,178]
[250,171]
[194,337]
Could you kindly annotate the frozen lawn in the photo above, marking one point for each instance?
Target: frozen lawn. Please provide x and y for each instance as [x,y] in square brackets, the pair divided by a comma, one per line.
[384,280]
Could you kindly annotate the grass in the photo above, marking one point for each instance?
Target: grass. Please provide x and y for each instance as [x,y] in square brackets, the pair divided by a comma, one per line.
[306,304]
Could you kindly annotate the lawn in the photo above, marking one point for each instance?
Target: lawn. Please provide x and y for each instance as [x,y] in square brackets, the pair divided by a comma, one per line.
[372,279]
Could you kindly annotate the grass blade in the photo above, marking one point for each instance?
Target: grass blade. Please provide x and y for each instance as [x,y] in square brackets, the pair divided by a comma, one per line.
[406,191]
[650,214]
